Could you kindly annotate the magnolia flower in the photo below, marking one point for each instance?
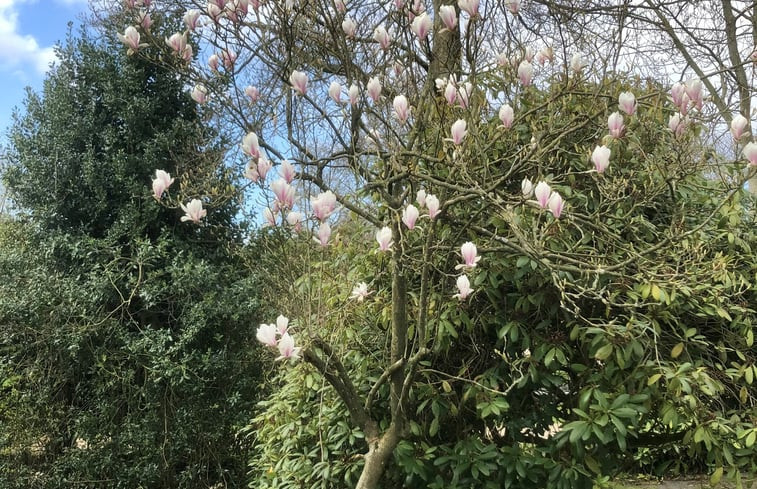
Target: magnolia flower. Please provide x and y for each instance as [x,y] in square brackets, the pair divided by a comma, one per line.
[349,27]
[469,6]
[145,20]
[470,256]
[324,233]
[601,158]
[193,211]
[459,130]
[463,94]
[526,188]
[282,323]
[360,292]
[410,215]
[528,54]
[160,183]
[384,238]
[450,93]
[374,89]
[694,91]
[545,54]
[266,334]
[738,125]
[448,16]
[432,202]
[463,288]
[401,108]
[264,165]
[287,349]
[555,204]
[177,42]
[381,36]
[250,145]
[130,38]
[335,92]
[214,11]
[199,94]
[506,115]
[252,92]
[677,124]
[340,6]
[353,93]
[284,193]
[750,153]
[615,123]
[270,217]
[577,63]
[213,62]
[420,197]
[677,92]
[299,82]
[421,25]
[542,192]
[513,6]
[228,58]
[627,102]
[525,73]
[191,18]
[323,205]
[294,219]
[287,171]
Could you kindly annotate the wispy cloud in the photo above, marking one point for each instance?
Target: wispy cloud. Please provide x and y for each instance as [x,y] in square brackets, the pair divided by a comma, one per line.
[20,52]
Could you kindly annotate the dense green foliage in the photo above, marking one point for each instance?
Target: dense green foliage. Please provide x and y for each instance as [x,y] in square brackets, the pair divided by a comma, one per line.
[618,338]
[126,355]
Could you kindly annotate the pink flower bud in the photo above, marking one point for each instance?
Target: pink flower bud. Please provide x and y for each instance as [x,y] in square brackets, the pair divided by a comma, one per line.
[270,217]
[555,204]
[323,205]
[299,82]
[287,349]
[750,153]
[459,130]
[266,334]
[420,198]
[470,256]
[694,91]
[401,108]
[228,58]
[432,203]
[263,166]
[542,193]
[253,93]
[738,125]
[526,188]
[353,93]
[525,73]
[506,115]
[384,238]
[191,19]
[145,20]
[374,89]
[410,215]
[627,103]
[463,94]
[463,288]
[213,62]
[287,171]
[421,26]
[449,16]
[349,27]
[677,124]
[250,145]
[615,124]
[677,93]
[450,93]
[601,158]
[282,324]
[381,36]
[177,42]
[469,6]
[160,183]
[193,211]
[324,233]
[200,94]
[130,38]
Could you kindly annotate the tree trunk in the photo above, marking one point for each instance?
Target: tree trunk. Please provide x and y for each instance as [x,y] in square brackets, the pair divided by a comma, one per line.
[379,452]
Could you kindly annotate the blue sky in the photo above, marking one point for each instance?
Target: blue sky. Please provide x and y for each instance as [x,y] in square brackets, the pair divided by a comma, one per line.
[29,29]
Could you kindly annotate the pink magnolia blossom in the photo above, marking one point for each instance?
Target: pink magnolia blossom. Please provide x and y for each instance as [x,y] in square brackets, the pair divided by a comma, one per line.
[193,211]
[353,93]
[525,73]
[450,93]
[677,124]
[187,53]
[601,158]
[324,233]
[299,82]
[335,92]
[545,54]
[214,11]
[469,6]
[577,63]
[401,108]
[542,192]
[253,93]
[421,26]
[381,36]
[284,193]
[738,125]
[459,130]
[384,238]
[463,288]
[228,58]
[506,115]
[130,38]
[266,334]
[191,19]
[160,183]
[526,188]
[199,94]
[448,16]
[677,93]
[251,172]
[615,124]
[340,6]
[250,145]
[287,171]
[432,203]
[287,349]
[470,256]
[555,204]
[360,292]
[282,324]
[263,166]
[270,217]
[410,216]
[463,94]
[627,103]
[513,6]
[213,62]
[420,198]
[374,89]
[349,27]
[144,20]
[177,42]
[694,90]
[294,219]
[323,205]
[750,153]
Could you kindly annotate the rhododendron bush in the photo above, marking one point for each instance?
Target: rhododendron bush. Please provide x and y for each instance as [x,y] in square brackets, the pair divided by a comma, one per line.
[495,263]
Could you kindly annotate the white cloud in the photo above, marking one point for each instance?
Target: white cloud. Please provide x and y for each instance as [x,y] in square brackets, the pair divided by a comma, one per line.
[19,51]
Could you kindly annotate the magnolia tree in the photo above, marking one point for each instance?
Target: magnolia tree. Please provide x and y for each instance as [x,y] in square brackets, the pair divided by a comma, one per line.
[540,232]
